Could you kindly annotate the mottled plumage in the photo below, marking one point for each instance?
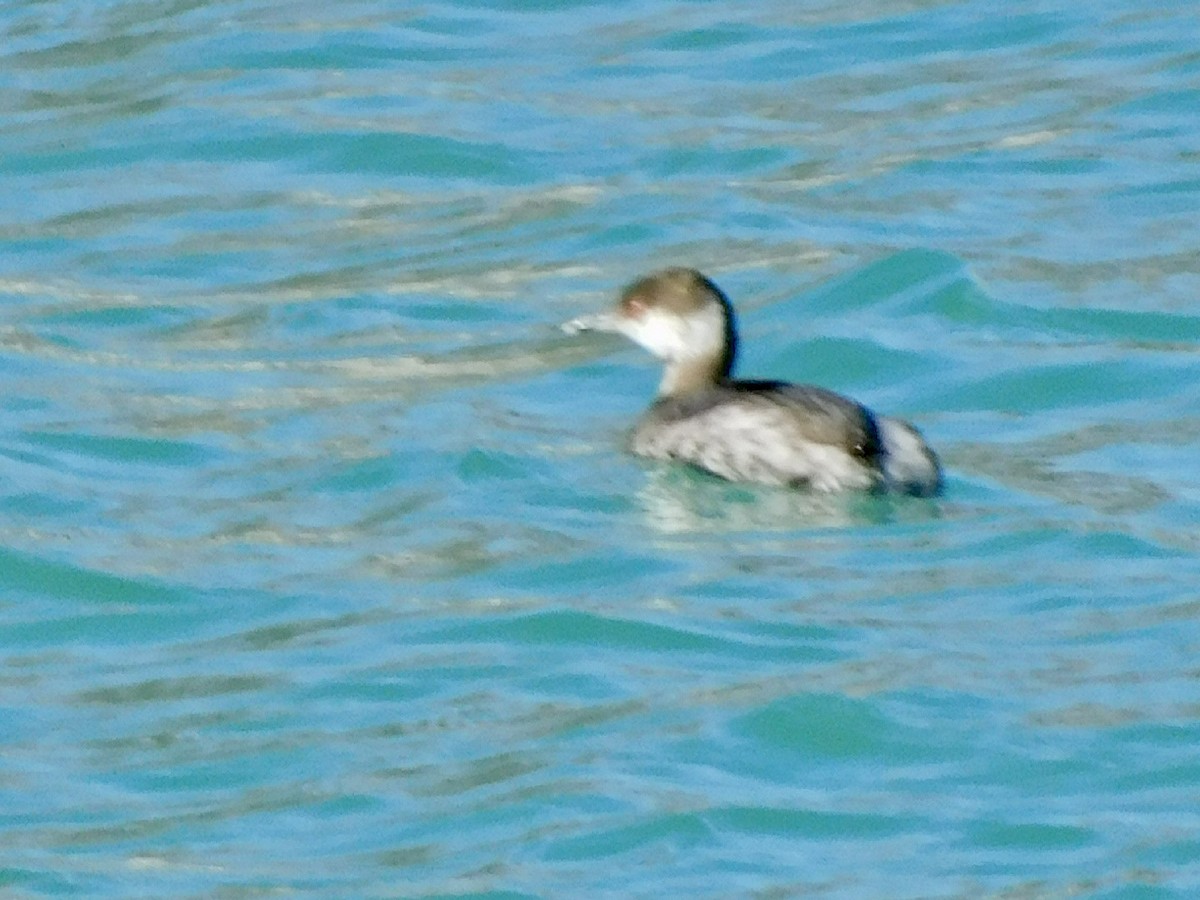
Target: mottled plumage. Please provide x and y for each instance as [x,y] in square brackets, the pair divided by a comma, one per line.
[762,431]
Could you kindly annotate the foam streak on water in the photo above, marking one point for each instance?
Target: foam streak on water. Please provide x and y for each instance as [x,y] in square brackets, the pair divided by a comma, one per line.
[323,570]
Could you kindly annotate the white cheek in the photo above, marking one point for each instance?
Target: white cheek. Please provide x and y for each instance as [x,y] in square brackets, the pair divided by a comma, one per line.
[658,333]
[671,338]
[706,332]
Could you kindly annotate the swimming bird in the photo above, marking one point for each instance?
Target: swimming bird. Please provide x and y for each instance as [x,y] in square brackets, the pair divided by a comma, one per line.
[769,432]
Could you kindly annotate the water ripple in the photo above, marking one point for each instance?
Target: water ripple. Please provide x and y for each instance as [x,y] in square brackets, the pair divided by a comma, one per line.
[324,570]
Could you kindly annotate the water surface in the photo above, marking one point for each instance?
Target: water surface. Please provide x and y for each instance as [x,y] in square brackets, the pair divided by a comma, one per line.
[323,570]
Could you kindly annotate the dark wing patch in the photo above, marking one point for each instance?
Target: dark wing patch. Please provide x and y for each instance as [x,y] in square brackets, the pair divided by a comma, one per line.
[821,416]
[839,419]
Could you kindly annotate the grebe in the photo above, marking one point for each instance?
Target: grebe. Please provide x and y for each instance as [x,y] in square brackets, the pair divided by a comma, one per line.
[769,432]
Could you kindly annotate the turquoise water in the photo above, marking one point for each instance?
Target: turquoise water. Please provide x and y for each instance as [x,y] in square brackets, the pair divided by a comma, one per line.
[323,571]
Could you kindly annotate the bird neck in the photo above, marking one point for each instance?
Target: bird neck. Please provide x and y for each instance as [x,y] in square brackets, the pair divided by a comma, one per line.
[703,356]
[695,373]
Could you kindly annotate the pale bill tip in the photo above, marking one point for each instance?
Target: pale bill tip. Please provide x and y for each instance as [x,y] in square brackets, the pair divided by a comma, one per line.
[598,322]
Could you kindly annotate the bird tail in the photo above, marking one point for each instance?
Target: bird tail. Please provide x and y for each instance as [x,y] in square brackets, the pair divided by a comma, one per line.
[909,465]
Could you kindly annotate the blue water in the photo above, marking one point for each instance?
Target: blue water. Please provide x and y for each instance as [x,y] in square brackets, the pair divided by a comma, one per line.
[323,571]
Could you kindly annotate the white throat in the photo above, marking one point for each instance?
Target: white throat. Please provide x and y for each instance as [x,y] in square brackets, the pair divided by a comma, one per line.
[691,346]
[674,338]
